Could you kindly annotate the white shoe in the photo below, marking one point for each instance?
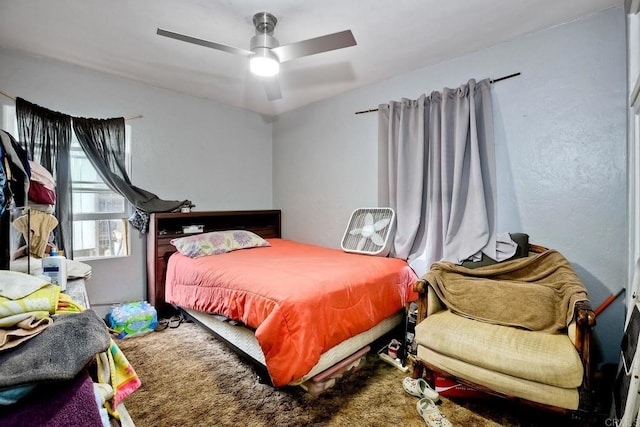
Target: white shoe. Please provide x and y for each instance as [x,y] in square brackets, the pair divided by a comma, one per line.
[431,414]
[419,388]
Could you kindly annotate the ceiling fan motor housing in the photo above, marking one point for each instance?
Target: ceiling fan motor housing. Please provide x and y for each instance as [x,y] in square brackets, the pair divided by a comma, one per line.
[265,24]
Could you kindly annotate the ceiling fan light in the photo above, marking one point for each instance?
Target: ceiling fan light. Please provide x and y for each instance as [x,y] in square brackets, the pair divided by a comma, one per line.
[264,64]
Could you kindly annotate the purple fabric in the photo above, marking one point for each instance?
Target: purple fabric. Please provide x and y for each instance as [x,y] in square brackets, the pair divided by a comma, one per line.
[69,404]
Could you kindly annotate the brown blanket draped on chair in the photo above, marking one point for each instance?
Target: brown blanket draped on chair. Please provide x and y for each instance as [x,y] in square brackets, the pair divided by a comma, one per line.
[473,292]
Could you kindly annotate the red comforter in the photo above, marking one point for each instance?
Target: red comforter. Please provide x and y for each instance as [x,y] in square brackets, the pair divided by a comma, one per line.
[301,299]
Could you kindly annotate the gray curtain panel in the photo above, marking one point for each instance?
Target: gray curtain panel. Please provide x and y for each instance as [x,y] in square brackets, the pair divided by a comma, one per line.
[46,137]
[437,171]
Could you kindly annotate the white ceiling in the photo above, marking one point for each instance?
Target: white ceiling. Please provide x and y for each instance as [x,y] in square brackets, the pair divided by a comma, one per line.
[394,37]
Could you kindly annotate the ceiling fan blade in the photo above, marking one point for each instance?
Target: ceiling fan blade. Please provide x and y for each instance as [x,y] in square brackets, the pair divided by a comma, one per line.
[204,43]
[320,44]
[272,88]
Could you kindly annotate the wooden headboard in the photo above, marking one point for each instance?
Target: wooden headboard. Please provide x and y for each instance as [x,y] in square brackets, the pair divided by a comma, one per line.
[166,226]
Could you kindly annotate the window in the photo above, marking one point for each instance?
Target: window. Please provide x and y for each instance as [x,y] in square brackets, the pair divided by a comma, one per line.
[100,226]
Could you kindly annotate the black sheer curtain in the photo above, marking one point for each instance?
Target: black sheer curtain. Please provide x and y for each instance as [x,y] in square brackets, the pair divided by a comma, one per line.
[103,141]
[46,136]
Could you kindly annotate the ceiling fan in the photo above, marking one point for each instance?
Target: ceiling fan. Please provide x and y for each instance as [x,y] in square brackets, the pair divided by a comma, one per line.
[265,52]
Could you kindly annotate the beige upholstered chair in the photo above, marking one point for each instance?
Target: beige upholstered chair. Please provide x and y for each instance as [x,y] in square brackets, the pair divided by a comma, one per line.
[547,370]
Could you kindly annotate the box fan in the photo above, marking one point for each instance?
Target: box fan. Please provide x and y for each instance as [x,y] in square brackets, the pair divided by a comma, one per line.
[370,231]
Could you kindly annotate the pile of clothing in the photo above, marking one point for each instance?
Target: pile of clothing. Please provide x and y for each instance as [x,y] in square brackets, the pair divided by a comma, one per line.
[14,173]
[58,362]
[27,185]
[38,221]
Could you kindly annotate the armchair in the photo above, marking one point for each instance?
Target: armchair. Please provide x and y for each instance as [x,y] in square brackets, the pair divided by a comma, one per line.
[500,338]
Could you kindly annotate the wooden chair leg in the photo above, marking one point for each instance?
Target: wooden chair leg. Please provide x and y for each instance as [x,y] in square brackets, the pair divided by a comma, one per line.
[418,369]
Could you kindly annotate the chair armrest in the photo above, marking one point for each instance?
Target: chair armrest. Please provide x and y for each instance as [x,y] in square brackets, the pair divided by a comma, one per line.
[585,319]
[428,301]
[584,314]
[421,287]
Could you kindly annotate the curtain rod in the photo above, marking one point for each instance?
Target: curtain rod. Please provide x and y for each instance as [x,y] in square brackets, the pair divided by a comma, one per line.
[372,110]
[139,116]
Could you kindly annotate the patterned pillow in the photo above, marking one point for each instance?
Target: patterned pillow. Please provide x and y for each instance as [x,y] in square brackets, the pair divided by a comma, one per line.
[217,242]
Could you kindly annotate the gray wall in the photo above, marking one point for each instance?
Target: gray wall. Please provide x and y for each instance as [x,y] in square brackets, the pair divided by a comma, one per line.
[560,135]
[217,156]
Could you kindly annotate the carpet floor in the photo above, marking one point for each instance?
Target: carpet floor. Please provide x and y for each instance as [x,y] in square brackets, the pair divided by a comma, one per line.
[191,379]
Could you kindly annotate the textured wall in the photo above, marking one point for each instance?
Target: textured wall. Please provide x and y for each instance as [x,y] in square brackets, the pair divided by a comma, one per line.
[183,148]
[560,135]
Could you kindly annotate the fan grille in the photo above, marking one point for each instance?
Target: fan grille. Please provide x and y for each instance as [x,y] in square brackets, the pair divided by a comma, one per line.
[363,224]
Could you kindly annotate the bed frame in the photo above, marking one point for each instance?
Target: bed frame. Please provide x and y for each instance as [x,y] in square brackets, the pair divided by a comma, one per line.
[166,226]
[266,223]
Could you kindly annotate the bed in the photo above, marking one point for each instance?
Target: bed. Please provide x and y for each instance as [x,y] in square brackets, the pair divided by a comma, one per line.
[292,309]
